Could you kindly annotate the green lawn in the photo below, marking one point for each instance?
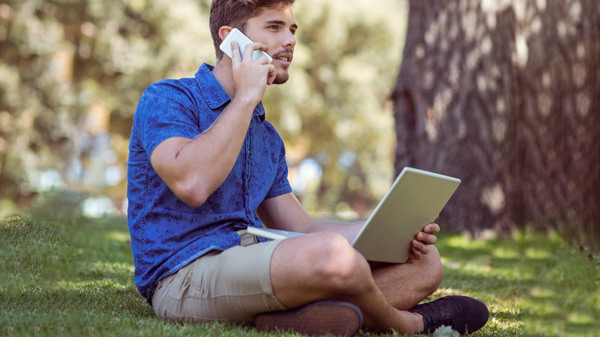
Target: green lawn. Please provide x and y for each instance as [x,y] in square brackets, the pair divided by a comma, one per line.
[75,277]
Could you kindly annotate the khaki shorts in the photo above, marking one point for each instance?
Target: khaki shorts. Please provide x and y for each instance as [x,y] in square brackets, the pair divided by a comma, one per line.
[234,285]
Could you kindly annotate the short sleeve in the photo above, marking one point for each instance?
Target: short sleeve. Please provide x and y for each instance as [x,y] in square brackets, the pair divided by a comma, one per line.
[164,111]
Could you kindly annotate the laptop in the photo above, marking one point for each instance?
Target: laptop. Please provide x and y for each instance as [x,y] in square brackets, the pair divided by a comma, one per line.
[415,199]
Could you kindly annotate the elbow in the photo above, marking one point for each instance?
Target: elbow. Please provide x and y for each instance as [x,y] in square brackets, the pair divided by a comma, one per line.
[194,200]
[192,194]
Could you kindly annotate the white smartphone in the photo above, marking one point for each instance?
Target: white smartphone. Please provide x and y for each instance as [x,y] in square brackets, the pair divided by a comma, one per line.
[242,41]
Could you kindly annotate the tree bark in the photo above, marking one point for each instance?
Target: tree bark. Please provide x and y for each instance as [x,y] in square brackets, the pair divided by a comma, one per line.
[505,95]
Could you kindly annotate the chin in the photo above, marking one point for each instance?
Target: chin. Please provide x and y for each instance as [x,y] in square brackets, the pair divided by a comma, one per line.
[281,78]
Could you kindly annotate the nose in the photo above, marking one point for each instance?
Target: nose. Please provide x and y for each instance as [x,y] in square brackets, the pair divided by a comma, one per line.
[289,40]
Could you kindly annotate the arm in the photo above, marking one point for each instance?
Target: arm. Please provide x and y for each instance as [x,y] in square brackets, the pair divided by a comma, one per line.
[286,213]
[194,168]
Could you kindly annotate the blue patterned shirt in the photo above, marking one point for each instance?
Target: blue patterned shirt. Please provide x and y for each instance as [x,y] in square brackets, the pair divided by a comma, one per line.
[167,234]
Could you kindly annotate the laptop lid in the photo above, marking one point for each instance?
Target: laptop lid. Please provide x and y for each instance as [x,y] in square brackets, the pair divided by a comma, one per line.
[415,199]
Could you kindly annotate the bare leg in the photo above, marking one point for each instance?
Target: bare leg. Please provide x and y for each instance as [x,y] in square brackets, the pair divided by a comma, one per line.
[405,285]
[324,266]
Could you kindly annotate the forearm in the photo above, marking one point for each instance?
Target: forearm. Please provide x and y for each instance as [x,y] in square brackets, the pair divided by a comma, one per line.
[194,168]
[285,212]
[213,153]
[348,230]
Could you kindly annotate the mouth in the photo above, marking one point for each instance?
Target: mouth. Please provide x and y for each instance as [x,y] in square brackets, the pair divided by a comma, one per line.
[284,58]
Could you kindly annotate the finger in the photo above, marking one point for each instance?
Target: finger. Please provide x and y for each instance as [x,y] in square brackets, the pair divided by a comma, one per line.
[236,57]
[257,46]
[432,228]
[416,253]
[420,246]
[428,239]
[260,46]
[263,60]
[250,48]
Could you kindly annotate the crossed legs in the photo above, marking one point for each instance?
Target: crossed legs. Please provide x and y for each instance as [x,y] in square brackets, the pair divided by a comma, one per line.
[325,266]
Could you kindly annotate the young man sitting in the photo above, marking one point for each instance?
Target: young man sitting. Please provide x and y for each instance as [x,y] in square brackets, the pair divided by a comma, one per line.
[204,164]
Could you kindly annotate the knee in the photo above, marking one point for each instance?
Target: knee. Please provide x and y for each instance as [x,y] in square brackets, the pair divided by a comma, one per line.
[338,264]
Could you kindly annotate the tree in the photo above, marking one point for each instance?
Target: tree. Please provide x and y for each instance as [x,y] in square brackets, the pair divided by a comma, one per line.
[505,95]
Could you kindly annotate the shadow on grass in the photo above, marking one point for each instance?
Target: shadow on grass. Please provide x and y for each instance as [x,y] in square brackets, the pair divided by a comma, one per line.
[554,288]
[90,297]
[76,278]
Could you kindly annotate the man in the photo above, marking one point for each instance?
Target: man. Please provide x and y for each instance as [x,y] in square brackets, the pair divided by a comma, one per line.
[204,164]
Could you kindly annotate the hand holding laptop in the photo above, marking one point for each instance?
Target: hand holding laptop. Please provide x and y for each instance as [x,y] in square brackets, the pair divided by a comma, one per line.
[415,199]
[420,245]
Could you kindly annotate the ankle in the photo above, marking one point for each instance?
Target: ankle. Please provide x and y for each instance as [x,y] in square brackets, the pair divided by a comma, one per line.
[405,322]
[417,322]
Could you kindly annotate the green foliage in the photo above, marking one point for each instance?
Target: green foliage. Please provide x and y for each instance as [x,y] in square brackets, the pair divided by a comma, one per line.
[73,71]
[75,277]
[335,103]
[70,70]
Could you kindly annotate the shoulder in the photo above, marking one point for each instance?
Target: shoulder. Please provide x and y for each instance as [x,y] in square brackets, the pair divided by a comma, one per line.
[170,89]
[169,96]
[167,108]
[274,138]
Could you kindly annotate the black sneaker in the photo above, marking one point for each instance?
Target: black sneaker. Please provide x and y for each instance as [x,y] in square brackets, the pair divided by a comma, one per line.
[461,313]
[331,318]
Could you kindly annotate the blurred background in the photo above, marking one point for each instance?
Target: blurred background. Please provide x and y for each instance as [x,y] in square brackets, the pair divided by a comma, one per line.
[502,94]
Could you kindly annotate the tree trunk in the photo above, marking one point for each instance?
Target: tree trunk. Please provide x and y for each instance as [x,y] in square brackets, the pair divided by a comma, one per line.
[506,96]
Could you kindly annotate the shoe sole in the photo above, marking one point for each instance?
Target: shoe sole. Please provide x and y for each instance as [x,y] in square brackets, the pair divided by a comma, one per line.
[331,318]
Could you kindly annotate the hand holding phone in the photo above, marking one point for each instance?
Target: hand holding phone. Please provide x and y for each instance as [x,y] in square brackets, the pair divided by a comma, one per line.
[242,40]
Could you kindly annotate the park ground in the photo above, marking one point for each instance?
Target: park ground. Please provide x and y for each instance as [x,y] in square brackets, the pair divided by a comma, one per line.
[74,277]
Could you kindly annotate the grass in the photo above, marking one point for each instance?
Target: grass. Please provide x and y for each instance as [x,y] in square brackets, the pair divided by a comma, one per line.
[75,277]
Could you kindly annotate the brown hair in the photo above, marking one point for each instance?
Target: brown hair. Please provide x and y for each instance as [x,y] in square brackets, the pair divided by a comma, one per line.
[235,13]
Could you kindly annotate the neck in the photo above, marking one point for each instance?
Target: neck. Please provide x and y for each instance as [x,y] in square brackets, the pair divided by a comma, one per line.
[224,75]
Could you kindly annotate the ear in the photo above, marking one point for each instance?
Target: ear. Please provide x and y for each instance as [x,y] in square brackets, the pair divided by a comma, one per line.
[224,31]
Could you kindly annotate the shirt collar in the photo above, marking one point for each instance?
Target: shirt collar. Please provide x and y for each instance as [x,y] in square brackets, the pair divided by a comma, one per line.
[212,91]
[214,94]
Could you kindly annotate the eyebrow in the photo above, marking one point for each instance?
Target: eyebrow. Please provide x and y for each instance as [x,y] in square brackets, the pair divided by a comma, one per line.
[282,23]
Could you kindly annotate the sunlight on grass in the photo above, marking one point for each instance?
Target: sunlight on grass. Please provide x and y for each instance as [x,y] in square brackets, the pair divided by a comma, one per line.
[465,242]
[580,318]
[506,253]
[120,236]
[543,301]
[540,285]
[95,286]
[118,267]
[56,281]
[503,325]
[538,254]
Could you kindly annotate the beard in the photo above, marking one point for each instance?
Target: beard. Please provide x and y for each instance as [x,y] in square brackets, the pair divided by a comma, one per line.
[282,72]
[281,77]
